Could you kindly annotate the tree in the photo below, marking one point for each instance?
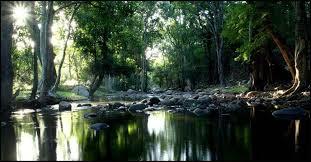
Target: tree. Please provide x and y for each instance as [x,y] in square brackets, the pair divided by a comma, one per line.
[46,51]
[35,35]
[6,62]
[215,18]
[301,40]
[55,86]
[98,21]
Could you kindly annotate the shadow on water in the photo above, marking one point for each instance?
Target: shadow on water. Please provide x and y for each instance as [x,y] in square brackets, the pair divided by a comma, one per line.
[279,139]
[159,136]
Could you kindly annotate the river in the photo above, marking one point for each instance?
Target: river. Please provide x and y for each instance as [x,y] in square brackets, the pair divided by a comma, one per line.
[160,136]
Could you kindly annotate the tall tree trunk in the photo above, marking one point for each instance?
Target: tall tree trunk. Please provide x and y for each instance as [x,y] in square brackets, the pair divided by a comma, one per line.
[35,35]
[143,78]
[95,85]
[300,81]
[46,50]
[64,52]
[6,60]
[284,51]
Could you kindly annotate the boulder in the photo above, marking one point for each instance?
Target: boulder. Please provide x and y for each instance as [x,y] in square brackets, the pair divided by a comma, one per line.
[121,108]
[187,95]
[99,126]
[63,105]
[189,102]
[81,90]
[169,92]
[153,100]
[198,90]
[202,112]
[143,101]
[204,99]
[195,97]
[116,105]
[149,109]
[252,94]
[167,102]
[235,106]
[135,107]
[131,91]
[80,105]
[291,113]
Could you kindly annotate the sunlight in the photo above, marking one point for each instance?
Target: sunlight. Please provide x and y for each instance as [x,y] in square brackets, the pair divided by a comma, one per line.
[20,14]
[27,147]
[153,53]
[156,123]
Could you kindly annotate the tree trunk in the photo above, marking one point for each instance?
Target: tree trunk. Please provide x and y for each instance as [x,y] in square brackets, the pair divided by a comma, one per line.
[64,52]
[95,85]
[284,51]
[34,31]
[6,60]
[300,81]
[46,50]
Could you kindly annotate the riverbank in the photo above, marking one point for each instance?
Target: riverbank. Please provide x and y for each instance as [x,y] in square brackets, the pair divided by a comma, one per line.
[212,101]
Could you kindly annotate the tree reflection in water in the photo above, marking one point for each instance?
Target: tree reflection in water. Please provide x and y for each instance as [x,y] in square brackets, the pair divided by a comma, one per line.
[160,136]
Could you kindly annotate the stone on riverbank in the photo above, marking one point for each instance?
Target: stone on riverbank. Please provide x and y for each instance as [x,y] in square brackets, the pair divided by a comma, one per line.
[135,107]
[81,90]
[153,100]
[63,105]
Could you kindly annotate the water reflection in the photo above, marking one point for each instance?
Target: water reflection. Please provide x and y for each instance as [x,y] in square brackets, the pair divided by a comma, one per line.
[161,136]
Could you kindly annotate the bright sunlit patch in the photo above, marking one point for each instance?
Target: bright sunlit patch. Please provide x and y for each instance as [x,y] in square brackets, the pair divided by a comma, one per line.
[27,147]
[156,123]
[20,14]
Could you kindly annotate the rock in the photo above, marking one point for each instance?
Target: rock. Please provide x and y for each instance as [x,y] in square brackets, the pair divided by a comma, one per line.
[90,115]
[202,112]
[80,105]
[189,102]
[274,102]
[117,105]
[252,94]
[48,100]
[171,111]
[81,90]
[228,96]
[63,105]
[143,101]
[169,92]
[292,113]
[179,110]
[216,90]
[235,106]
[195,97]
[153,100]
[130,91]
[258,100]
[204,99]
[121,108]
[198,90]
[99,126]
[213,97]
[135,107]
[187,95]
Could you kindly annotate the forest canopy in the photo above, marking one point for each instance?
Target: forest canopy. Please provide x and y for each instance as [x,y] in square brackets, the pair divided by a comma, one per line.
[143,45]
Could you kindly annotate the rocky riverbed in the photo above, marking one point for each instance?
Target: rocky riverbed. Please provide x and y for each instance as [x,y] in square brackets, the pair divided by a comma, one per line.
[200,103]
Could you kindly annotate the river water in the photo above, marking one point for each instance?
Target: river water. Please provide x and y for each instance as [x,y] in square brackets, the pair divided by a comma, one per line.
[160,136]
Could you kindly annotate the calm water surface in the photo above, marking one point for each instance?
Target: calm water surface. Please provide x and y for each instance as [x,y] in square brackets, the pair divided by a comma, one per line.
[160,136]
